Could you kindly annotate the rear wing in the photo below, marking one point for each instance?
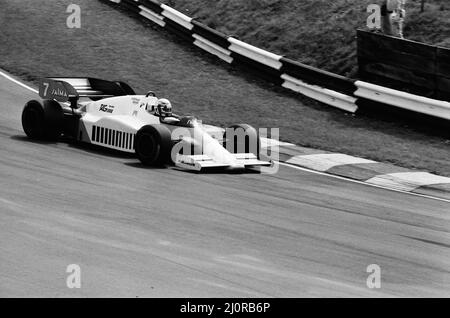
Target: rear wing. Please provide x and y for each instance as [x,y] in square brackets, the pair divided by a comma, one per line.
[65,89]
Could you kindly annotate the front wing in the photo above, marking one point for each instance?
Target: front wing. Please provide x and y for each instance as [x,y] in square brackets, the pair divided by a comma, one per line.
[204,162]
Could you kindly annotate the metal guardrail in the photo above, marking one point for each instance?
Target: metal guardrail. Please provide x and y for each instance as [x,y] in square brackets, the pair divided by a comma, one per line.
[314,76]
[403,100]
[268,65]
[177,17]
[212,48]
[331,89]
[254,53]
[152,16]
[321,94]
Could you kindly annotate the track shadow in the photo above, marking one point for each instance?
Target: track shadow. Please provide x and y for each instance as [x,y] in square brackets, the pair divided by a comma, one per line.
[219,171]
[33,141]
[140,165]
[86,147]
[99,150]
[107,152]
[211,171]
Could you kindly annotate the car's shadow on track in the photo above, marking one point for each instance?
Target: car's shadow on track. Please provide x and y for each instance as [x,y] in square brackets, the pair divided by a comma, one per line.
[86,147]
[214,171]
[207,172]
[139,165]
[98,150]
[34,141]
[107,152]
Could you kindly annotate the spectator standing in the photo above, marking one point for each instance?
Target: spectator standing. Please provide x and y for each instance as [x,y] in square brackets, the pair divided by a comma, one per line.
[393,15]
[386,12]
[398,18]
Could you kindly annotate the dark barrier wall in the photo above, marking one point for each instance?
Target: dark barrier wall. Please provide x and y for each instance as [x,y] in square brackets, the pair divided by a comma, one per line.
[404,65]
[443,73]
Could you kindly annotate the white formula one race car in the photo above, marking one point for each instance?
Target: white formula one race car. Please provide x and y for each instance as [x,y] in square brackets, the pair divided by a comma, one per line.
[111,115]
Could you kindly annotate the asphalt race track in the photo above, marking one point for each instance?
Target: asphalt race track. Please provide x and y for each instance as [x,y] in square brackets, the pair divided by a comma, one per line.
[137,231]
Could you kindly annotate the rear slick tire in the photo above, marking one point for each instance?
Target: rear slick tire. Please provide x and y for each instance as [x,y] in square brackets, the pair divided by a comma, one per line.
[42,122]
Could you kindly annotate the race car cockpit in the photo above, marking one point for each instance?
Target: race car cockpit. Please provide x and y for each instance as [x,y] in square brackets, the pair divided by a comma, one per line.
[163,109]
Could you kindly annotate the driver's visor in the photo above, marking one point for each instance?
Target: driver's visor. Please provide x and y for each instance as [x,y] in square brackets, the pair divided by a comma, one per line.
[166,109]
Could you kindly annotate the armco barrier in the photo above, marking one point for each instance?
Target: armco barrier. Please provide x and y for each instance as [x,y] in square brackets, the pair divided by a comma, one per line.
[211,41]
[261,70]
[212,35]
[326,87]
[404,100]
[152,16]
[321,94]
[152,5]
[177,17]
[131,5]
[255,54]
[177,22]
[267,65]
[318,77]
[212,48]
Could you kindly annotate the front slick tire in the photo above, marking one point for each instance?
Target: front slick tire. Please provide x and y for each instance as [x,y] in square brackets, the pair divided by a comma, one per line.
[42,122]
[153,145]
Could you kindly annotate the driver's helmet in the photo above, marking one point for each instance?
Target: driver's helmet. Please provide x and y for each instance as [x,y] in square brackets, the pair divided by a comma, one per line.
[164,107]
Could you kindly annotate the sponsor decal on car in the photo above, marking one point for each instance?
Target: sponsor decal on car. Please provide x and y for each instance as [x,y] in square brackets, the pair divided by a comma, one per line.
[57,90]
[106,108]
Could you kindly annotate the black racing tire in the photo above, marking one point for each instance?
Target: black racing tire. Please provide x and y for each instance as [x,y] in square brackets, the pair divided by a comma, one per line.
[42,121]
[251,139]
[33,120]
[153,145]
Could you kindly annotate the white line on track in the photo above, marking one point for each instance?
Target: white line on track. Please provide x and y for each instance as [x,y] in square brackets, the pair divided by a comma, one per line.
[282,163]
[361,182]
[18,83]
